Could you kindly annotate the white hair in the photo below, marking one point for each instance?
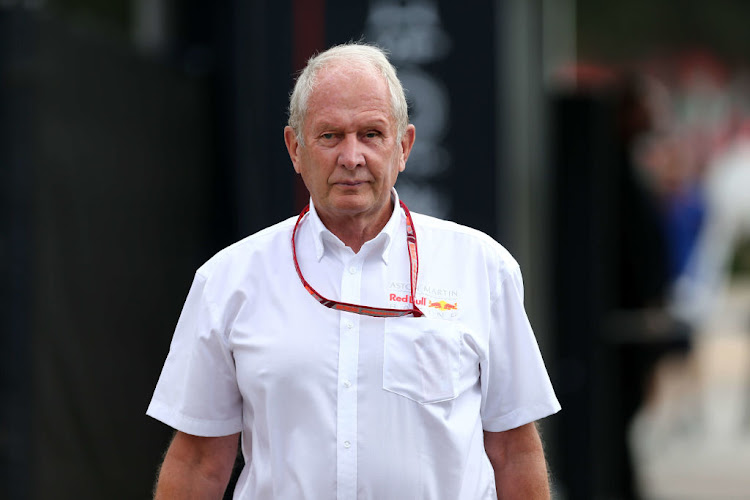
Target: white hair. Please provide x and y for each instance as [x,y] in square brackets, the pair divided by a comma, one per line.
[356,53]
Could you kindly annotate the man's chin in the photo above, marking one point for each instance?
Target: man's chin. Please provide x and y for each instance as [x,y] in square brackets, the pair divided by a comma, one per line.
[353,206]
[350,209]
[350,201]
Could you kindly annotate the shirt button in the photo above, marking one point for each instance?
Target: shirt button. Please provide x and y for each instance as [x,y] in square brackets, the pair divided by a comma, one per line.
[347,384]
[347,444]
[349,325]
[352,270]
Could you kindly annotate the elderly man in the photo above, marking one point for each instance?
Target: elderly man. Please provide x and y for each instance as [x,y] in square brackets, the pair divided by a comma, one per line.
[357,351]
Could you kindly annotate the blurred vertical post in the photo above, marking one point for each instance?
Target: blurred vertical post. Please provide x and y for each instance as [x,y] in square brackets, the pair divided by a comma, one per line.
[523,189]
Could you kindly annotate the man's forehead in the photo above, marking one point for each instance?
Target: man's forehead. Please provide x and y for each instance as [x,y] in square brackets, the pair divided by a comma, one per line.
[347,72]
[341,88]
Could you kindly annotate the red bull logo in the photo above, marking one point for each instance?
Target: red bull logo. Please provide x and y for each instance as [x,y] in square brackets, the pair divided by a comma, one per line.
[444,306]
[406,298]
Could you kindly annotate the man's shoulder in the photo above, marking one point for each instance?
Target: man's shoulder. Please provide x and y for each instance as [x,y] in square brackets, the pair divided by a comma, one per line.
[271,240]
[430,223]
[463,238]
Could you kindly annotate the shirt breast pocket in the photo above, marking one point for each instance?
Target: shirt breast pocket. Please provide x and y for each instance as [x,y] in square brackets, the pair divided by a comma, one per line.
[422,358]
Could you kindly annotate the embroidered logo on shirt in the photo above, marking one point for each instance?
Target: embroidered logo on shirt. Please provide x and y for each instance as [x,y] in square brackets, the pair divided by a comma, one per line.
[422,301]
[435,301]
[443,305]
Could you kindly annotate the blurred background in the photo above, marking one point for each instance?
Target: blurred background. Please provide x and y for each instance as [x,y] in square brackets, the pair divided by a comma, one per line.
[606,144]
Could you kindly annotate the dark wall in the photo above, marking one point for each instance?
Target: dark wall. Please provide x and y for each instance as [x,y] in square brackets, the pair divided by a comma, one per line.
[122,172]
[15,247]
[122,194]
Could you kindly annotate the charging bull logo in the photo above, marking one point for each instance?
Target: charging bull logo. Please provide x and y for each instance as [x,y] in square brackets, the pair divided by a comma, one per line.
[443,305]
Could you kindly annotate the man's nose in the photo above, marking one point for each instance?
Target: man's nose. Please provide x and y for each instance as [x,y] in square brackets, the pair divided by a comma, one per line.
[350,152]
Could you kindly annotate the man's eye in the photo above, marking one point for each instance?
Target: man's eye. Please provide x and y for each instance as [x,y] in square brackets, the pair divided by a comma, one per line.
[328,136]
[371,134]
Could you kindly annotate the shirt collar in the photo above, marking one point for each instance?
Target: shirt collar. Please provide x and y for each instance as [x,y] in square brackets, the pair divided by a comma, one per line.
[323,238]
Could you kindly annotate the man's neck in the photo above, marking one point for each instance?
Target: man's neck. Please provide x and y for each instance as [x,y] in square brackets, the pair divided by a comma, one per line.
[355,231]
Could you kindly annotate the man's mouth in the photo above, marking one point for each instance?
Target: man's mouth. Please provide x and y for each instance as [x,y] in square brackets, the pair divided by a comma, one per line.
[350,183]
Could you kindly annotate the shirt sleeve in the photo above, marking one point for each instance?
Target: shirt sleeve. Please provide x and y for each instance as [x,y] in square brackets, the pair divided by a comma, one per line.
[515,385]
[197,391]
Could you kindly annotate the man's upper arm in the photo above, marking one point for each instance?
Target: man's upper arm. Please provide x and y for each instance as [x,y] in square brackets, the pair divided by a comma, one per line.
[517,457]
[514,442]
[196,465]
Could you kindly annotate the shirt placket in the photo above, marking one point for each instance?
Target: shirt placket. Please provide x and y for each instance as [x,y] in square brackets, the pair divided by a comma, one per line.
[346,415]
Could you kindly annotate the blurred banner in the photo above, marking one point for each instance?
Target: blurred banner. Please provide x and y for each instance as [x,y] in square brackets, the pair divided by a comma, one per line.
[446,59]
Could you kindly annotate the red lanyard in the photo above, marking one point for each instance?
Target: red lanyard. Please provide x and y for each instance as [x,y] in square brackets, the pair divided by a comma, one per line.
[378,312]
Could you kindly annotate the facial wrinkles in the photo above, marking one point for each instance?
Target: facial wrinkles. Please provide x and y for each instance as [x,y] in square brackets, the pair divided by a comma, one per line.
[351,120]
[349,113]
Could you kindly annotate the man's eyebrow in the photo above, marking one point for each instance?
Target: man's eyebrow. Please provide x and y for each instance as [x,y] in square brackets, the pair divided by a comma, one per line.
[326,125]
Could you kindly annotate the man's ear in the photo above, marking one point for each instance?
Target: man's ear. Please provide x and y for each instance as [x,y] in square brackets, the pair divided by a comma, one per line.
[407,141]
[292,146]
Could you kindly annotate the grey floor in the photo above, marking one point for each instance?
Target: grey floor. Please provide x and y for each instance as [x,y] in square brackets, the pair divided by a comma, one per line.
[693,439]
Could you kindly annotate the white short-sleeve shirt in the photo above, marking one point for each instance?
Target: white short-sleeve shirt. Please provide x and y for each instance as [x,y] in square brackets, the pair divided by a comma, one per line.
[337,405]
